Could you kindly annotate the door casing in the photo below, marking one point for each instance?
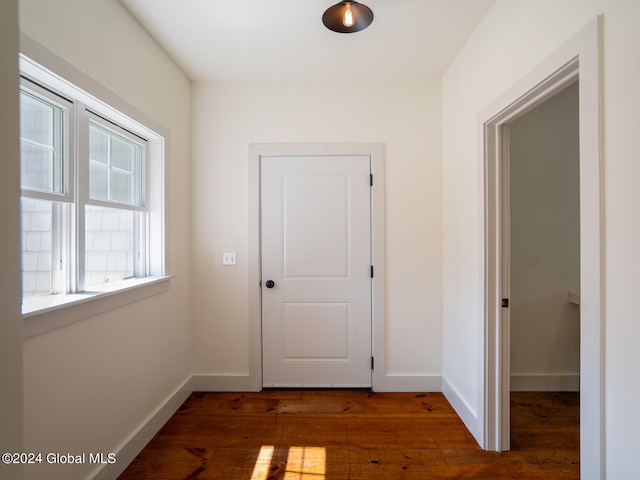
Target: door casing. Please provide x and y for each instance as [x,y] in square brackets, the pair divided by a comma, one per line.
[578,58]
[258,151]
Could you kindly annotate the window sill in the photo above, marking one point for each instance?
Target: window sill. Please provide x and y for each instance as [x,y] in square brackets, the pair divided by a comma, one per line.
[47,313]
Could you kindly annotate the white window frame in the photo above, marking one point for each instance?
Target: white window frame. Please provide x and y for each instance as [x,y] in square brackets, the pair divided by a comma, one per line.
[68,108]
[142,264]
[63,199]
[41,314]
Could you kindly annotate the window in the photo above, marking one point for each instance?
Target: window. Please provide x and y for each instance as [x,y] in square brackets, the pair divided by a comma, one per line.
[115,212]
[44,162]
[92,195]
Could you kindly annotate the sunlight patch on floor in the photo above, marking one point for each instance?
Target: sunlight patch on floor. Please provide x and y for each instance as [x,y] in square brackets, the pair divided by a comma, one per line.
[303,463]
[263,463]
[306,463]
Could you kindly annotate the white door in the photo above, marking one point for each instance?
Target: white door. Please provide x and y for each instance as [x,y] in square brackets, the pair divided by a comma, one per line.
[316,271]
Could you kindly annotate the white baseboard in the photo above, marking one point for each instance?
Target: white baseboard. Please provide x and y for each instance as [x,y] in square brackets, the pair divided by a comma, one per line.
[412,383]
[468,415]
[225,383]
[545,383]
[133,445]
[245,383]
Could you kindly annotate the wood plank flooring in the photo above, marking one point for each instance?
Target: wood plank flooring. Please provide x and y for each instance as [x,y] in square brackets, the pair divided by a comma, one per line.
[356,435]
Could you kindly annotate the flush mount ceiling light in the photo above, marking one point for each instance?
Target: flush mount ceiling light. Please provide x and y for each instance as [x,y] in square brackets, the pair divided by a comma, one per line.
[347,17]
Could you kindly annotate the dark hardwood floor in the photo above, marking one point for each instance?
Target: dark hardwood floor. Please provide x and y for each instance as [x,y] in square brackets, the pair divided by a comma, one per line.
[355,434]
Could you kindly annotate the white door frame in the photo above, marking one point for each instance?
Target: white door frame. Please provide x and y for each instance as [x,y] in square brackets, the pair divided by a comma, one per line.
[578,58]
[256,153]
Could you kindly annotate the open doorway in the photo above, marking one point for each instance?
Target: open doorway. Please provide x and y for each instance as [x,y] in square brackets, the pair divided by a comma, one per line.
[577,59]
[543,259]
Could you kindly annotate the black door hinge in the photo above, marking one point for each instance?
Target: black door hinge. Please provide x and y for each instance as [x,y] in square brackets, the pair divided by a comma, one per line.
[505,303]
[371,179]
[371,271]
[371,363]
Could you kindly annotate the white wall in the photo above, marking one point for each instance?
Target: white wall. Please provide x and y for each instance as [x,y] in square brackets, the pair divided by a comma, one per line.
[405,116]
[91,384]
[545,245]
[514,37]
[11,411]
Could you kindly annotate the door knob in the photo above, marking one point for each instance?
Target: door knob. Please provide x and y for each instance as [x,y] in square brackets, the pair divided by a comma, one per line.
[270,283]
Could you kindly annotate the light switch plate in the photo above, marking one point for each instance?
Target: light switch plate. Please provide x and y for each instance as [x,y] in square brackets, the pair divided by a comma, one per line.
[229,258]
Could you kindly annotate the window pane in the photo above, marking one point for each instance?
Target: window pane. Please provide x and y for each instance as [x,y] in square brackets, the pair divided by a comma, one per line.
[115,168]
[109,244]
[36,167]
[122,187]
[122,154]
[99,181]
[37,253]
[98,146]
[41,134]
[36,120]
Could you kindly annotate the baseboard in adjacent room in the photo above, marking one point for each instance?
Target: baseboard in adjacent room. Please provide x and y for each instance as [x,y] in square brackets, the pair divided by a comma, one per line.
[545,383]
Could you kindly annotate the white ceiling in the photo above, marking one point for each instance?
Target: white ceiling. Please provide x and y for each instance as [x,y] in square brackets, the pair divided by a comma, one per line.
[244,40]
